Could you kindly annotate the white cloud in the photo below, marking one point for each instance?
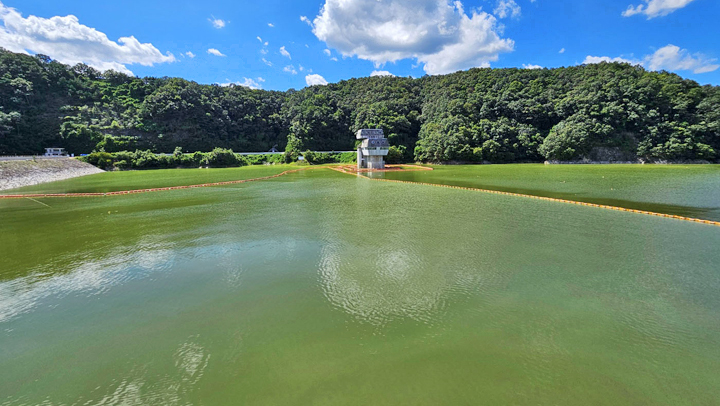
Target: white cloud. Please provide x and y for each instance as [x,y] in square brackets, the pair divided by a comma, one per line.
[669,57]
[213,51]
[306,20]
[672,58]
[380,73]
[656,8]
[266,62]
[246,82]
[530,66]
[217,23]
[284,52]
[598,59]
[562,51]
[290,69]
[271,25]
[300,68]
[327,52]
[264,51]
[66,40]
[507,8]
[259,39]
[438,34]
[315,79]
[189,54]
[334,59]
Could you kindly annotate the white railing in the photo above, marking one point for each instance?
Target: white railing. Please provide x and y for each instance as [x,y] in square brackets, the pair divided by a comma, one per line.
[30,157]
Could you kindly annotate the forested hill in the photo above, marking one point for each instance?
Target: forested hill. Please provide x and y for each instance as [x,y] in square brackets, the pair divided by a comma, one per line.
[604,111]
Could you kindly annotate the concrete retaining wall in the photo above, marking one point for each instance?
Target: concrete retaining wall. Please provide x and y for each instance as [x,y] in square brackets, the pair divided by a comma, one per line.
[18,173]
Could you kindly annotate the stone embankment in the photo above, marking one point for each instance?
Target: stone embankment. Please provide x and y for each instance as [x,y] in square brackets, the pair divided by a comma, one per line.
[14,174]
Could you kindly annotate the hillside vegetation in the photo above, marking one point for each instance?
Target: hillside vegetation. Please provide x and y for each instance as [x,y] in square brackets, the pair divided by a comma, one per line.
[604,111]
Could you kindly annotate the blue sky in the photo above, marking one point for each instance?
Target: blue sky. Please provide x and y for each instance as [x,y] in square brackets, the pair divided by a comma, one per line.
[266,44]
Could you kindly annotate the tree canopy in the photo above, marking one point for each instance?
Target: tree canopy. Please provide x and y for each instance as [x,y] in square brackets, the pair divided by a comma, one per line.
[600,111]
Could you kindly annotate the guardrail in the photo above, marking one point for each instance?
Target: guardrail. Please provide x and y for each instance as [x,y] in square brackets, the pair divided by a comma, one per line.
[35,157]
[267,153]
[30,157]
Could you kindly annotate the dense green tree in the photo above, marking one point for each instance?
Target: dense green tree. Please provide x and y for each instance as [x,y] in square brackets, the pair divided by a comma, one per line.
[600,111]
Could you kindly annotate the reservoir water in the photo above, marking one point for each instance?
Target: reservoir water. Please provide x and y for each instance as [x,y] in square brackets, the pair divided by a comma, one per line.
[324,288]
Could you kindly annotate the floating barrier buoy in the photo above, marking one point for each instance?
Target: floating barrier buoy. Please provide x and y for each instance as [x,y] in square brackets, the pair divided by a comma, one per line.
[551,199]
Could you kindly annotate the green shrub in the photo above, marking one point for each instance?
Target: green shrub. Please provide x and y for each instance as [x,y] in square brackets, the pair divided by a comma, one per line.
[396,154]
[120,165]
[102,159]
[345,157]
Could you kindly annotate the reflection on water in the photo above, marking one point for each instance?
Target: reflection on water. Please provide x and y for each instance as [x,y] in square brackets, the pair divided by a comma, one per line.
[338,290]
[84,276]
[191,360]
[378,285]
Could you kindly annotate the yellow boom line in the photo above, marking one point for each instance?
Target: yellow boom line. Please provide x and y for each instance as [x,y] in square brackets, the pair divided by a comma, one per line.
[550,199]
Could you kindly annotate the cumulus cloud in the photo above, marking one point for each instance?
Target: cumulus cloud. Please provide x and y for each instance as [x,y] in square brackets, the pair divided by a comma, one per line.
[530,66]
[656,8]
[440,35]
[672,58]
[217,23]
[284,52]
[507,8]
[315,79]
[213,51]
[306,20]
[562,51]
[266,62]
[290,69]
[327,52]
[246,82]
[189,54]
[669,57]
[66,40]
[380,73]
[599,59]
[271,25]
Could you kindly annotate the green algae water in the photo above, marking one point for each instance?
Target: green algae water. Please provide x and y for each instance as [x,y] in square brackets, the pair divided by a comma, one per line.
[684,190]
[145,179]
[330,289]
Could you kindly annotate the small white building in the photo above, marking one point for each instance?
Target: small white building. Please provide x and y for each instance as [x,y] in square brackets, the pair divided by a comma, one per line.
[373,149]
[55,152]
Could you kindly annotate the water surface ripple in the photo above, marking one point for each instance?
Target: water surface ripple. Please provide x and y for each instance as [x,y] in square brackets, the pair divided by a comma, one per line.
[322,288]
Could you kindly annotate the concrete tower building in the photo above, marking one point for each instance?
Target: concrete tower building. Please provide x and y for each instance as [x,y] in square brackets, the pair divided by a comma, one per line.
[373,149]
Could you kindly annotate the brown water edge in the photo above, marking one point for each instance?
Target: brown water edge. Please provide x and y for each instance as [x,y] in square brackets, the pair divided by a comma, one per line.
[388,168]
[663,210]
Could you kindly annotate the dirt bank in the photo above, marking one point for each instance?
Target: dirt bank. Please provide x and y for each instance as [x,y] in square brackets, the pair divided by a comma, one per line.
[14,174]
